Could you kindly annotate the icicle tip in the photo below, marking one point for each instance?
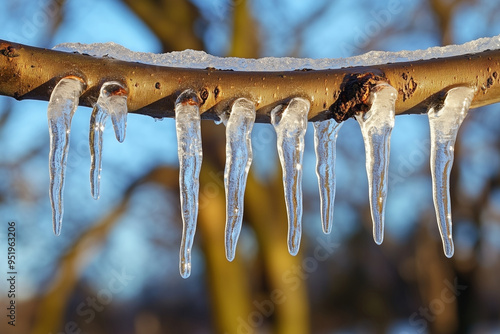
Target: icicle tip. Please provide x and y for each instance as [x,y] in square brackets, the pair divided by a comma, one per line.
[185,269]
[449,248]
[57,227]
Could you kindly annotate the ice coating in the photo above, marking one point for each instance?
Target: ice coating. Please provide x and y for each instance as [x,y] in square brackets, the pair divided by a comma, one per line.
[290,131]
[325,140]
[187,124]
[376,127]
[238,160]
[444,124]
[200,59]
[112,101]
[62,105]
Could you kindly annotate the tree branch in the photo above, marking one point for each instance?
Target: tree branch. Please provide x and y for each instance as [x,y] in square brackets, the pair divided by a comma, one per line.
[31,73]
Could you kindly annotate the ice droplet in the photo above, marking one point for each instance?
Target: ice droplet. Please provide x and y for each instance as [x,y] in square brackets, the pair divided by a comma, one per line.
[325,142]
[238,161]
[376,127]
[62,105]
[187,124]
[112,101]
[290,130]
[444,124]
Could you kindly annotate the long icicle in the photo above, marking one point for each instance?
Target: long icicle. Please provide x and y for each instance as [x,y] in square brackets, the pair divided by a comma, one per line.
[444,125]
[62,105]
[187,124]
[97,124]
[112,101]
[376,127]
[238,161]
[290,130]
[325,142]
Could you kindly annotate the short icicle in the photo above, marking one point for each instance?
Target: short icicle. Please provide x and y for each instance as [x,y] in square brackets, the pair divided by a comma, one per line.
[117,108]
[188,128]
[376,127]
[62,105]
[238,160]
[290,130]
[444,124]
[325,139]
[112,101]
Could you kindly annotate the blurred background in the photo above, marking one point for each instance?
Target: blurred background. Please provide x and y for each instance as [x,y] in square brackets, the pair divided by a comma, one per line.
[114,269]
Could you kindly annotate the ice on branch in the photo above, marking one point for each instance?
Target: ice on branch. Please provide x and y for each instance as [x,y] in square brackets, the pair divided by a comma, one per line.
[238,160]
[376,127]
[290,124]
[444,123]
[187,124]
[200,59]
[290,130]
[62,105]
[112,101]
[325,140]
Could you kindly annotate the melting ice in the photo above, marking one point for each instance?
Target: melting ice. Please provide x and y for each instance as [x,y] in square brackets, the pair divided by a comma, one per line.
[325,139]
[376,127]
[112,101]
[62,105]
[290,130]
[187,124]
[444,124]
[238,161]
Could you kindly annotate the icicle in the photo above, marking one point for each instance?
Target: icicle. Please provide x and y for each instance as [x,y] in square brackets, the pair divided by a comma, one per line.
[62,105]
[117,108]
[444,124]
[376,127]
[238,161]
[112,101]
[97,123]
[325,139]
[290,131]
[187,124]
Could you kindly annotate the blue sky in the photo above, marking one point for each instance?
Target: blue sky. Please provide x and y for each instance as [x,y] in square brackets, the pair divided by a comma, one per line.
[149,143]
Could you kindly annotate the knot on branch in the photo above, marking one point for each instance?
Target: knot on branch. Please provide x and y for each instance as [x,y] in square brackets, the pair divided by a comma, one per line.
[354,95]
[8,50]
[188,97]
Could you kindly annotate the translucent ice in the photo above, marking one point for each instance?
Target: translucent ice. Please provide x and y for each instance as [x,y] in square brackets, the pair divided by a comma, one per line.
[112,101]
[376,127]
[62,105]
[444,124]
[200,59]
[238,161]
[187,124]
[290,130]
[325,139]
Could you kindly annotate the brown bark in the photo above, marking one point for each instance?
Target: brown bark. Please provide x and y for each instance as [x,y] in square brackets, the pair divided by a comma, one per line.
[31,73]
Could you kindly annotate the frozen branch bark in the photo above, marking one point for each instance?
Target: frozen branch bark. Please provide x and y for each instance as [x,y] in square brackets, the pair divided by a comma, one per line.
[32,73]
